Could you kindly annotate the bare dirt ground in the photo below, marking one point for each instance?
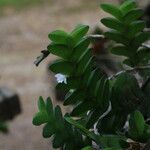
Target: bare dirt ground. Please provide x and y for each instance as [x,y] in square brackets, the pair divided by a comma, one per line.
[22,36]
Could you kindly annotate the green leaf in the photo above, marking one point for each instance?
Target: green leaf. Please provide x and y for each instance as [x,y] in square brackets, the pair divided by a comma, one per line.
[82,107]
[113,141]
[59,50]
[136,27]
[49,107]
[141,38]
[74,97]
[116,36]
[133,15]
[80,49]
[62,66]
[87,148]
[59,118]
[121,51]
[103,93]
[48,130]
[111,123]
[127,6]
[83,129]
[41,104]
[146,134]
[113,10]
[58,141]
[144,56]
[40,118]
[130,95]
[84,61]
[113,23]
[58,36]
[136,124]
[95,75]
[79,32]
[93,117]
[128,62]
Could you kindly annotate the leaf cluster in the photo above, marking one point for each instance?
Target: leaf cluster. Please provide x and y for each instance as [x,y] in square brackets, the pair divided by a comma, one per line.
[102,105]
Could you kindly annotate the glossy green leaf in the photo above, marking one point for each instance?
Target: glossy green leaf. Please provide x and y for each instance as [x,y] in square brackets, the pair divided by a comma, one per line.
[93,116]
[141,38]
[74,97]
[113,141]
[84,61]
[113,10]
[127,6]
[113,23]
[136,124]
[133,15]
[58,36]
[87,148]
[121,51]
[62,66]
[80,48]
[49,107]
[117,37]
[48,130]
[83,129]
[59,118]
[136,27]
[60,50]
[79,32]
[58,141]
[40,118]
[41,104]
[82,107]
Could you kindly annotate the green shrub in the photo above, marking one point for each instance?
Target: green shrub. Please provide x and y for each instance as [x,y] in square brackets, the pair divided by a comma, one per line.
[102,106]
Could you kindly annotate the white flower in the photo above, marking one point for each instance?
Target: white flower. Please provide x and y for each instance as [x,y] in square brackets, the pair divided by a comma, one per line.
[61,78]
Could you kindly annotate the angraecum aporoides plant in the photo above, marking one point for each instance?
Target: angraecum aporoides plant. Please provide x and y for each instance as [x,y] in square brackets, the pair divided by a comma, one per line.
[109,112]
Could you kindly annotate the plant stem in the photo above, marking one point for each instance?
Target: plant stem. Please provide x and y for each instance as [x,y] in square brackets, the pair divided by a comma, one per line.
[129,71]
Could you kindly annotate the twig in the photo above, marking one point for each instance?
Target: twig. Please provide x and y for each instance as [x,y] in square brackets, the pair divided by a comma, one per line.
[95,36]
[129,71]
[40,58]
[146,46]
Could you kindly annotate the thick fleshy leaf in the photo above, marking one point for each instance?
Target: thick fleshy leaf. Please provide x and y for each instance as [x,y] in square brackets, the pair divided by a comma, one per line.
[116,36]
[48,130]
[62,66]
[136,27]
[41,104]
[113,141]
[60,50]
[58,36]
[113,23]
[84,61]
[80,49]
[40,118]
[74,97]
[133,15]
[79,32]
[127,6]
[141,38]
[113,10]
[82,107]
[85,131]
[121,51]
[58,141]
[87,148]
[136,124]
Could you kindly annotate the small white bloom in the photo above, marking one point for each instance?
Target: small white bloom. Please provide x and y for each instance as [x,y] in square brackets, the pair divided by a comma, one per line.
[61,78]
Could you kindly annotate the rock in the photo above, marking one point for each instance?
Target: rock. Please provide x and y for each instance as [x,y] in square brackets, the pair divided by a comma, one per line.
[9,104]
